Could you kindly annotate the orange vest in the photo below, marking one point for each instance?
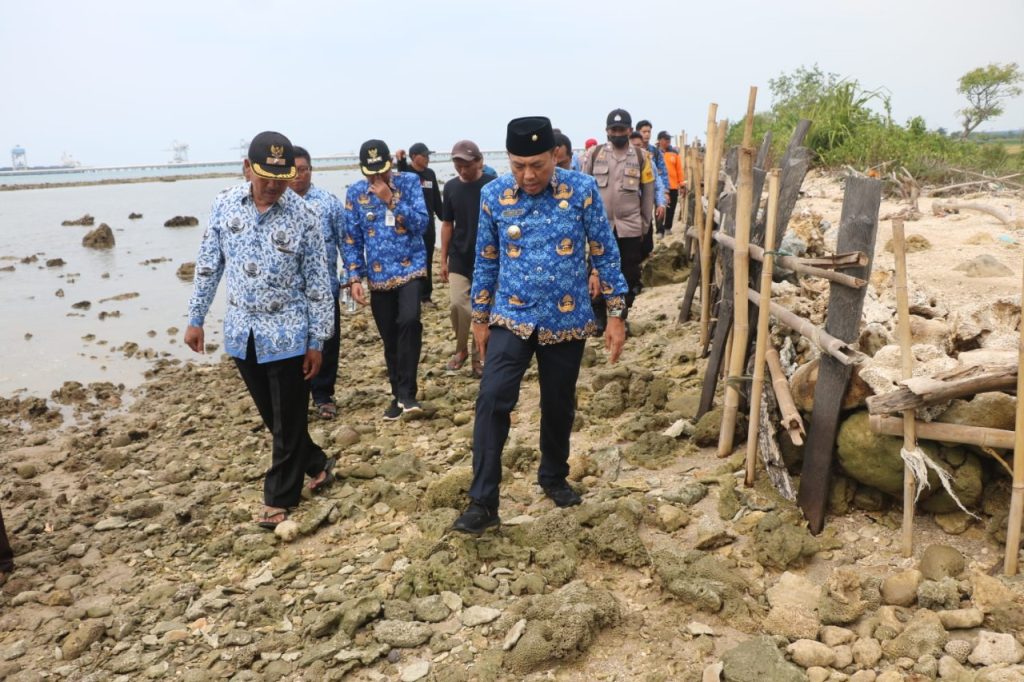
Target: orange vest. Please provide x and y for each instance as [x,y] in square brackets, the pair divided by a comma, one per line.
[674,163]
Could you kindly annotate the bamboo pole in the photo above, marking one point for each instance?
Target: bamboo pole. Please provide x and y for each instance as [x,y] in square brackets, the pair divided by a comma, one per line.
[796,264]
[697,173]
[684,211]
[907,371]
[840,350]
[1017,498]
[965,434]
[763,317]
[741,277]
[705,239]
[791,420]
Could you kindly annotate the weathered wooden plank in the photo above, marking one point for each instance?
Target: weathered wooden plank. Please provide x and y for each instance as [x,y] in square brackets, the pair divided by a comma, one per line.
[858,228]
[720,333]
[923,391]
[692,284]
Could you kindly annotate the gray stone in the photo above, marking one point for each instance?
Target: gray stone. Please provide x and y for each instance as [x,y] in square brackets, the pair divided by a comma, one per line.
[794,590]
[867,651]
[984,265]
[924,634]
[81,639]
[791,622]
[995,648]
[431,609]
[941,561]
[479,615]
[938,595]
[901,589]
[402,634]
[961,619]
[808,652]
[835,636]
[111,523]
[959,649]
[759,660]
[416,670]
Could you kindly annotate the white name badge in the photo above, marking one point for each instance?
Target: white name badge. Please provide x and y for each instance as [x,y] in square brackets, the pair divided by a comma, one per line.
[389,218]
[428,184]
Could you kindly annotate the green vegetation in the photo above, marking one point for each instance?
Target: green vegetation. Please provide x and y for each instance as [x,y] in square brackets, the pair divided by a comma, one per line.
[986,88]
[853,126]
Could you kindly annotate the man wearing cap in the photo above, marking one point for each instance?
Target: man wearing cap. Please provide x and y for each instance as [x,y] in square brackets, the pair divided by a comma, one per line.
[676,179]
[419,162]
[625,178]
[268,243]
[331,213]
[385,218]
[460,215]
[530,298]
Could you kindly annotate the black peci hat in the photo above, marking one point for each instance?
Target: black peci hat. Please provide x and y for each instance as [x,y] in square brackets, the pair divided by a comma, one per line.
[272,156]
[529,136]
[619,118]
[374,157]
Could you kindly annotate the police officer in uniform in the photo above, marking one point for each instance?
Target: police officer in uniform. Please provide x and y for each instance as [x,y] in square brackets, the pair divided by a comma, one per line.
[530,298]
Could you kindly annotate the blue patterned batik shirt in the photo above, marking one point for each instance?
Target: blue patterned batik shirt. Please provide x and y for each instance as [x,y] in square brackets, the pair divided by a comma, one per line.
[385,244]
[331,212]
[531,258]
[660,175]
[278,288]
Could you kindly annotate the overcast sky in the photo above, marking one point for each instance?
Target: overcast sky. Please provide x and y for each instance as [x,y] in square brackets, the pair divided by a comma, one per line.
[114,81]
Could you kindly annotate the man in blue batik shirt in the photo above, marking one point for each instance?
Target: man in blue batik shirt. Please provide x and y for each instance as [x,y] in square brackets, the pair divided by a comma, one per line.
[530,297]
[385,218]
[268,243]
[660,181]
[331,213]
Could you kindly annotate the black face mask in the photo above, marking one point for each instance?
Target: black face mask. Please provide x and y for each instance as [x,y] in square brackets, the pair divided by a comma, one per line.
[619,141]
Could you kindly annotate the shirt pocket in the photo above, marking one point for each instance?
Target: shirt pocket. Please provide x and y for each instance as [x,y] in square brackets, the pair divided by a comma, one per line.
[631,180]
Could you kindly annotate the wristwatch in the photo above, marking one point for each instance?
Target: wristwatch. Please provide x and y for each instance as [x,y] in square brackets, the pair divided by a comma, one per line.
[621,312]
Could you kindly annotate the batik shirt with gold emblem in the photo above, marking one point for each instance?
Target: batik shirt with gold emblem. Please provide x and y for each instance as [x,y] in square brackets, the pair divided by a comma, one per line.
[385,245]
[278,288]
[531,261]
[331,213]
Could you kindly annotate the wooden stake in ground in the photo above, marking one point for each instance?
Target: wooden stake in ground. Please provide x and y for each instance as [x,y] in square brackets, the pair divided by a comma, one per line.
[1017,500]
[858,227]
[763,316]
[906,372]
[710,180]
[741,277]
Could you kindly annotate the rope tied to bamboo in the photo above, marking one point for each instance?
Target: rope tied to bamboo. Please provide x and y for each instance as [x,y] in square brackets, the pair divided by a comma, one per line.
[919,463]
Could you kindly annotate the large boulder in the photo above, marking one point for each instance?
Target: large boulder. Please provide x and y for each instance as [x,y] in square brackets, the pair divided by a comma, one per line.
[666,266]
[805,378]
[759,660]
[100,238]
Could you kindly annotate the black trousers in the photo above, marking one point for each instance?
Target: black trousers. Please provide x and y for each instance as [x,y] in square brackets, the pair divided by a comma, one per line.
[281,395]
[322,384]
[670,211]
[397,314]
[558,367]
[6,553]
[429,240]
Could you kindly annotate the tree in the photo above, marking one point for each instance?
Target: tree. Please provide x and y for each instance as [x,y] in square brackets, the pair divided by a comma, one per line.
[985,89]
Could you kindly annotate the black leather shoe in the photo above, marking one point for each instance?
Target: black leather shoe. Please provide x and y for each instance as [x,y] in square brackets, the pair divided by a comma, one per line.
[476,519]
[563,495]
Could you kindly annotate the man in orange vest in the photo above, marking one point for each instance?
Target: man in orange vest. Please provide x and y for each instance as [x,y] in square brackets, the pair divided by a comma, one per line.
[676,180]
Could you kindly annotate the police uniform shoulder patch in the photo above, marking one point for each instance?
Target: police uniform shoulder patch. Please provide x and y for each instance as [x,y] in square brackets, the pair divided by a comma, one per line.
[647,175]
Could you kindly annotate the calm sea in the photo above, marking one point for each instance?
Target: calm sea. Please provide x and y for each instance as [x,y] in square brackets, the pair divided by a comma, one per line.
[133,293]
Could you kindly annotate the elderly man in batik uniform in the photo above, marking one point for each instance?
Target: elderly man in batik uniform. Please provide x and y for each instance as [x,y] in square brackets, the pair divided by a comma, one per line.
[530,298]
[385,218]
[268,243]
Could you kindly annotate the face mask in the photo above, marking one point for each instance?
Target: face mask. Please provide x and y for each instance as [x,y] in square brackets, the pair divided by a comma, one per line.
[619,141]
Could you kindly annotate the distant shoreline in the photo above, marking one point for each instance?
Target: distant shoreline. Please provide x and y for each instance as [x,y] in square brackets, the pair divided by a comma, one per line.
[155,178]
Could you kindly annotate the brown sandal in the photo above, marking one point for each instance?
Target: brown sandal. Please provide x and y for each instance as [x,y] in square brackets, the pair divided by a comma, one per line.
[456,362]
[272,516]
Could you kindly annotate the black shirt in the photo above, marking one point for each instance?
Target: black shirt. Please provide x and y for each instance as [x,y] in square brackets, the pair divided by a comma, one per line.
[461,206]
[431,192]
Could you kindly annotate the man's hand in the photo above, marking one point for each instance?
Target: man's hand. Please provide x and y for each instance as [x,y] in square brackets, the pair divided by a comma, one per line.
[311,364]
[443,273]
[381,189]
[659,213]
[594,284]
[481,333]
[195,338]
[356,288]
[614,338]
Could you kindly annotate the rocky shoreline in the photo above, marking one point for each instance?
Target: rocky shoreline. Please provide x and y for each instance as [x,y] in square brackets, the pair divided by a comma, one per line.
[138,559]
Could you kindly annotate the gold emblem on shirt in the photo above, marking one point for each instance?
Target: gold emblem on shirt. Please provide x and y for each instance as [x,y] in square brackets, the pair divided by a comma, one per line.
[349,240]
[516,301]
[564,247]
[513,250]
[508,197]
[363,199]
[406,262]
[567,304]
[514,232]
[588,201]
[606,288]
[483,297]
[563,191]
[563,204]
[377,267]
[490,252]
[596,248]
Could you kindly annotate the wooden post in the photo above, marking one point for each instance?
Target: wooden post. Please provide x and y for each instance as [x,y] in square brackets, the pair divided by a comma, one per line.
[858,227]
[1017,499]
[906,372]
[710,191]
[741,276]
[946,433]
[761,345]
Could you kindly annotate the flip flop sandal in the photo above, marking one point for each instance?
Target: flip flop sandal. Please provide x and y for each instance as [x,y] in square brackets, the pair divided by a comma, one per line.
[267,520]
[328,478]
[455,364]
[327,410]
